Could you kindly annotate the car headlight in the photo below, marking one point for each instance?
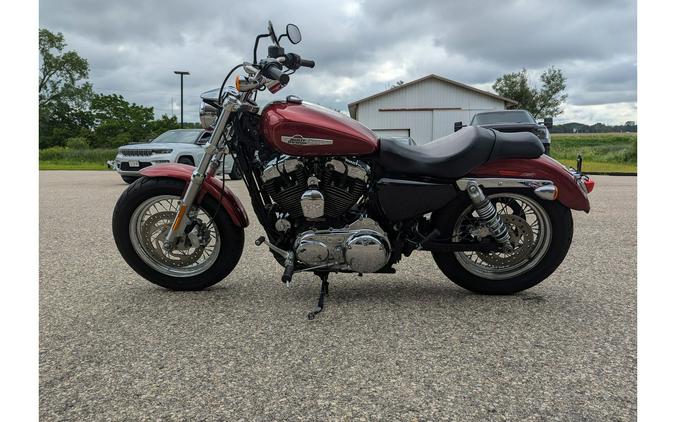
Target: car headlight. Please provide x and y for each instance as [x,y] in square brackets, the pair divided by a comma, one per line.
[162,151]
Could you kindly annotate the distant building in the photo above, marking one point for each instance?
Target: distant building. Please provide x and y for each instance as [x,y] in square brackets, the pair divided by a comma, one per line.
[424,109]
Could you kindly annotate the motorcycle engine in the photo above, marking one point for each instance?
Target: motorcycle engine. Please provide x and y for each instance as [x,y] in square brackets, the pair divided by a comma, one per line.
[362,247]
[314,187]
[317,190]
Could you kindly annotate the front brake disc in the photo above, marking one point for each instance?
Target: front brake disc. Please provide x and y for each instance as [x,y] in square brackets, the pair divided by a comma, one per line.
[153,232]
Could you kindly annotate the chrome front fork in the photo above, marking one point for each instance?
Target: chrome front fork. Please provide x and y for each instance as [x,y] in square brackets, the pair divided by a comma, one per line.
[215,149]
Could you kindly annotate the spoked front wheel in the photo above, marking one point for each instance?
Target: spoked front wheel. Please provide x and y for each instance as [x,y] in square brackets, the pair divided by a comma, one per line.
[540,232]
[207,254]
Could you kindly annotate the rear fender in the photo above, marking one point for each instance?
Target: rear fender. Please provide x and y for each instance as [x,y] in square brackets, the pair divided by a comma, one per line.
[570,191]
[212,186]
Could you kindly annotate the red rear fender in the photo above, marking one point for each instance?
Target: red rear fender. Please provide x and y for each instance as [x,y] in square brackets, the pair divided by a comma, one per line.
[570,193]
[211,186]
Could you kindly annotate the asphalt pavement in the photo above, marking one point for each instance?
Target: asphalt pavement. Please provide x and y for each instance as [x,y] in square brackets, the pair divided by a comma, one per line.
[408,346]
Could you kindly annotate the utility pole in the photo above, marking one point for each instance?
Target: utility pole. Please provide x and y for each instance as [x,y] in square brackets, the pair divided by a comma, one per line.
[181,73]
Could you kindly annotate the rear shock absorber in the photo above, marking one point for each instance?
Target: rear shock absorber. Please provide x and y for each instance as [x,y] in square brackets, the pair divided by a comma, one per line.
[488,216]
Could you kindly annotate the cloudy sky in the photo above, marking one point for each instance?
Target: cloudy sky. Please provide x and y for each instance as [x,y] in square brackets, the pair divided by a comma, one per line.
[360,47]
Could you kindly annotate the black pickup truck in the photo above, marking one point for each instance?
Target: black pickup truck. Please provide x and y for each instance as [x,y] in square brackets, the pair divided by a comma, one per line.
[513,121]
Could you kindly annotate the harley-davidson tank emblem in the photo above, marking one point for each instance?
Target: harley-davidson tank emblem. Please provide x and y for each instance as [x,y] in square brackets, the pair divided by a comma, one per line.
[301,140]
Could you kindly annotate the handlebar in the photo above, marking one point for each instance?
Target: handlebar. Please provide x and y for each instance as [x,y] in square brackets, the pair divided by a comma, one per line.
[307,63]
[294,61]
[273,70]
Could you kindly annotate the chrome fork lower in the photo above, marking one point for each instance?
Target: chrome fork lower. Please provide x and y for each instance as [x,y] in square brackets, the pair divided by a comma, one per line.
[215,149]
[487,213]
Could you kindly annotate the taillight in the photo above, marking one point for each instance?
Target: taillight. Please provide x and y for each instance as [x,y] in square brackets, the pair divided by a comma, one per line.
[590,184]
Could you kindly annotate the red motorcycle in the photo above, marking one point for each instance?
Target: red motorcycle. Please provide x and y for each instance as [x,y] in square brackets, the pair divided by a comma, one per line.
[493,210]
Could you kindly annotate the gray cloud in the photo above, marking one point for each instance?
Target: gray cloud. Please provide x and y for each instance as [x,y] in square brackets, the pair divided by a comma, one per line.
[360,47]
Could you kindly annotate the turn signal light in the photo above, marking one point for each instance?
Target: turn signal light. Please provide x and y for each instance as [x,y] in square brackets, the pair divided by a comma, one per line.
[237,82]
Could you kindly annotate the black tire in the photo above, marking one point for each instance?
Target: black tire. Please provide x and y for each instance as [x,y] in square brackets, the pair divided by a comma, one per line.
[129,179]
[547,149]
[232,237]
[187,160]
[235,174]
[562,228]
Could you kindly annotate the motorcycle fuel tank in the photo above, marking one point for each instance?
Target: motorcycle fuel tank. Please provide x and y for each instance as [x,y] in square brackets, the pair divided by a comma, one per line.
[303,129]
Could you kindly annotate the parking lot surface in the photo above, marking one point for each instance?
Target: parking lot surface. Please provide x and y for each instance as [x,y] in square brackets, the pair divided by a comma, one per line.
[407,346]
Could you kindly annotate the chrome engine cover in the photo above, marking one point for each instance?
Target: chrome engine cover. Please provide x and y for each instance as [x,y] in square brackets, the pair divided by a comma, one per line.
[367,251]
[361,247]
[312,203]
[315,187]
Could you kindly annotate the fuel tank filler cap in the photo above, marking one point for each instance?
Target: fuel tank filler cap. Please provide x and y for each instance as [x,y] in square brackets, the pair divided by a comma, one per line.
[294,99]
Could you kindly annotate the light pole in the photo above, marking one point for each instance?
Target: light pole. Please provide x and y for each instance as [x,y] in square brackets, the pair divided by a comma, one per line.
[181,73]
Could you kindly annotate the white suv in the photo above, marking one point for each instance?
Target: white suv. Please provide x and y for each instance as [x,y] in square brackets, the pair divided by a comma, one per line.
[184,146]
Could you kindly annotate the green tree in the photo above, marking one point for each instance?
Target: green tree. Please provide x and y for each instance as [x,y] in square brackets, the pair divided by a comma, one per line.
[396,84]
[118,122]
[546,101]
[77,143]
[161,125]
[64,94]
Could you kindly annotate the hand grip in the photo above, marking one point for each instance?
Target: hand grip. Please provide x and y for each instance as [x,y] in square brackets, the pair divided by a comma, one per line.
[277,74]
[307,63]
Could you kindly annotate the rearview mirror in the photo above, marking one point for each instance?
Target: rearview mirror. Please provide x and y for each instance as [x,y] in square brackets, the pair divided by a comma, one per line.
[458,126]
[293,33]
[272,34]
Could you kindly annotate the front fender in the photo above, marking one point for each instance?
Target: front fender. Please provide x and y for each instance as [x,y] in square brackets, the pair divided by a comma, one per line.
[570,194]
[211,186]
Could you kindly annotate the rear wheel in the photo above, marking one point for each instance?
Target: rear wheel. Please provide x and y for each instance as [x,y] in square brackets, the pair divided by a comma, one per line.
[540,231]
[205,256]
[129,179]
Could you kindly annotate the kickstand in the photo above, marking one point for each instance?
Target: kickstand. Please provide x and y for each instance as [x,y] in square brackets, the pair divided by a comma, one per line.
[324,292]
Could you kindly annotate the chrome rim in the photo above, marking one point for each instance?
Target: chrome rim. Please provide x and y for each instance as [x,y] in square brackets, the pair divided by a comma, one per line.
[192,255]
[529,228]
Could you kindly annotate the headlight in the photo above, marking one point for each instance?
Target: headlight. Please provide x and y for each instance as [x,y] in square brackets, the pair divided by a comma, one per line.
[543,134]
[207,115]
[162,151]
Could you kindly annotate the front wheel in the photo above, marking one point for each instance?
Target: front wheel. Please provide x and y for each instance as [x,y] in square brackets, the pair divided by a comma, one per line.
[540,231]
[202,258]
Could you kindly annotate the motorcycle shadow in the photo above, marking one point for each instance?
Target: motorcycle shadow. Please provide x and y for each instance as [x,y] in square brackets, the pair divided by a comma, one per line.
[357,295]
[349,292]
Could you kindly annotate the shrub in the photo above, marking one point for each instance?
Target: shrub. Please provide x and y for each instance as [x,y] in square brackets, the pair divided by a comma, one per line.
[77,143]
[76,156]
[120,140]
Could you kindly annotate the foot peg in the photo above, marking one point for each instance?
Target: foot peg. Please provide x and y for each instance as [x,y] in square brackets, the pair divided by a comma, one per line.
[289,268]
[324,293]
[289,263]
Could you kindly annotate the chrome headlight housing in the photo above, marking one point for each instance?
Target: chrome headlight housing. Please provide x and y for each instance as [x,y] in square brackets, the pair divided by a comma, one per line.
[208,115]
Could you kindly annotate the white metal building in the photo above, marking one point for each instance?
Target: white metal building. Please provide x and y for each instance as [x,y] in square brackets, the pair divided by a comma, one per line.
[424,109]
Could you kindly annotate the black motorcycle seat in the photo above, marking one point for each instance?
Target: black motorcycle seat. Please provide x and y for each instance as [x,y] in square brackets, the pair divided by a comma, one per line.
[455,155]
